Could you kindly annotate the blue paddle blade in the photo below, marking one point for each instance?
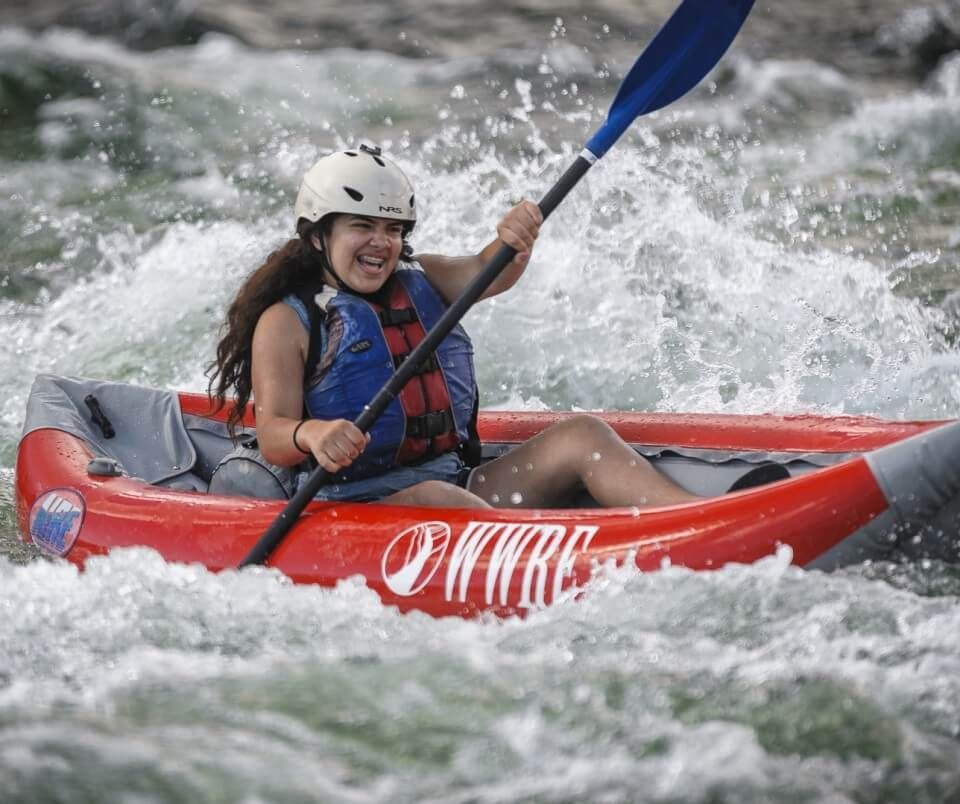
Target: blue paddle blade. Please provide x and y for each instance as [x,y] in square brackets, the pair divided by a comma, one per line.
[685,49]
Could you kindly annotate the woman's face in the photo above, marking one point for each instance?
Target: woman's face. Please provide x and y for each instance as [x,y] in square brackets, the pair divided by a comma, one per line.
[363,251]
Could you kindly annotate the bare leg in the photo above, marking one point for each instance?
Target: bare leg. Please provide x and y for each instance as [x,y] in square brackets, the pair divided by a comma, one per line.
[435,494]
[582,452]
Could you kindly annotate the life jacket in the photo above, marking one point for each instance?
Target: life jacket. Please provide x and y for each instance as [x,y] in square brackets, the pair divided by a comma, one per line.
[356,344]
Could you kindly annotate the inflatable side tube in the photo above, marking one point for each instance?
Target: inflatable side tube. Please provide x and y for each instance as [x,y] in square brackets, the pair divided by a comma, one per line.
[920,478]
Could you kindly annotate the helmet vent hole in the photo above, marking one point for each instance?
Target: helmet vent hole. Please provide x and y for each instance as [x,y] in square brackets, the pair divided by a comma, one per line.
[356,196]
[350,153]
[411,201]
[379,161]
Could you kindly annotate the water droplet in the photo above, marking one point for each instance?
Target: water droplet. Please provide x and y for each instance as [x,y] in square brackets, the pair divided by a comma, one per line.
[481,478]
[495,498]
[516,498]
[596,456]
[529,467]
[515,469]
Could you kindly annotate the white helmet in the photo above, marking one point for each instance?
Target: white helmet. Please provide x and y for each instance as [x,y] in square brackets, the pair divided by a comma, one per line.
[358,182]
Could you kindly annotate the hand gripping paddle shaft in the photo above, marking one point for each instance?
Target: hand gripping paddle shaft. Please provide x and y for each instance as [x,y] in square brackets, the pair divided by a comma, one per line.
[687,47]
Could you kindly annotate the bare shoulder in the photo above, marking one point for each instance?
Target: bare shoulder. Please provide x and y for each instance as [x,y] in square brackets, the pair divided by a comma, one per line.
[432,265]
[279,314]
[449,275]
[429,263]
[279,328]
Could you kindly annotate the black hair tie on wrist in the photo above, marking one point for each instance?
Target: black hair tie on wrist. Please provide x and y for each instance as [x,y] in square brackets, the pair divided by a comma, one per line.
[295,430]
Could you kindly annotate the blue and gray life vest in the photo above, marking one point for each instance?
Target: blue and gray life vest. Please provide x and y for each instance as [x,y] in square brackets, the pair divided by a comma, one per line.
[356,345]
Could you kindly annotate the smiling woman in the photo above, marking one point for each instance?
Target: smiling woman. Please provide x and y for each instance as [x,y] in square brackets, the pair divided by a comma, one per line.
[324,322]
[366,248]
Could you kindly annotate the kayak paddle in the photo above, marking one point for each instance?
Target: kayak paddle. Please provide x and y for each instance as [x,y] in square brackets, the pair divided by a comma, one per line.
[685,49]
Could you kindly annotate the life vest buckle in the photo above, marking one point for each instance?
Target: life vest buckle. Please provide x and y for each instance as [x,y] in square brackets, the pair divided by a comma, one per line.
[431,363]
[391,317]
[430,425]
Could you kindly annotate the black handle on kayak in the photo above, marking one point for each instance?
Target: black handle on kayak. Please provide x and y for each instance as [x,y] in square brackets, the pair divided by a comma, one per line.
[455,312]
[98,416]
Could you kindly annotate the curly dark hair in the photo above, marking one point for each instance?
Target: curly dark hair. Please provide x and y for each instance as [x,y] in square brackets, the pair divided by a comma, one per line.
[294,266]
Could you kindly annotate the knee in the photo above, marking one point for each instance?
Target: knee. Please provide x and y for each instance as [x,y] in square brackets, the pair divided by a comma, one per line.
[589,430]
[582,439]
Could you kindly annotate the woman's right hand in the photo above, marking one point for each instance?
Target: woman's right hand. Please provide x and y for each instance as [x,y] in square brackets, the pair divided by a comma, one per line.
[335,444]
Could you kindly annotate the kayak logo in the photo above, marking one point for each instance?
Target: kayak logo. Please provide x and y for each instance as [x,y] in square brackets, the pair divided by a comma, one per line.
[55,520]
[361,346]
[414,556]
[522,564]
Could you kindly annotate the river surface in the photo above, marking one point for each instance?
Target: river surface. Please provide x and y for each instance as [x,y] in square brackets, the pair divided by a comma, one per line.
[786,239]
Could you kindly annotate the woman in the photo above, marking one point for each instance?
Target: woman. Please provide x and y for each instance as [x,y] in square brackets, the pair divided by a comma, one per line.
[320,326]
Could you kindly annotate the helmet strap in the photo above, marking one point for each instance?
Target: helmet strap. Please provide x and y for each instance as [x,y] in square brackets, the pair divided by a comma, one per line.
[325,265]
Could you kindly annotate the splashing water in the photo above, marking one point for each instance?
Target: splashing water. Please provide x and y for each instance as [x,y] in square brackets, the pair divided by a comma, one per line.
[785,240]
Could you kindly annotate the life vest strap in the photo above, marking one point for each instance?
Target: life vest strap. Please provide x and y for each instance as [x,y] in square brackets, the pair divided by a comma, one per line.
[430,425]
[392,317]
[432,363]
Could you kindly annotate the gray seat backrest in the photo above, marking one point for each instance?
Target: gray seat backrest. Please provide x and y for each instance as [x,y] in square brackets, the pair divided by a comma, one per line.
[153,440]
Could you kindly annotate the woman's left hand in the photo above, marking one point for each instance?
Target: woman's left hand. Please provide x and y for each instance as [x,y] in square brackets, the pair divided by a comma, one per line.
[519,229]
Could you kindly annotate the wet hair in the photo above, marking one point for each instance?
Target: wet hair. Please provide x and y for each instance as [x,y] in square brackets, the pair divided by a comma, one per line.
[296,266]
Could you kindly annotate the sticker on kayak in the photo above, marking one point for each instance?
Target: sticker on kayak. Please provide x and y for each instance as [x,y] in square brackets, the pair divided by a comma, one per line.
[55,520]
[539,555]
[413,557]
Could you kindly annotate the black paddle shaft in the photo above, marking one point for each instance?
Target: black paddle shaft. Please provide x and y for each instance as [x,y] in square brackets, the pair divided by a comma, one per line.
[455,312]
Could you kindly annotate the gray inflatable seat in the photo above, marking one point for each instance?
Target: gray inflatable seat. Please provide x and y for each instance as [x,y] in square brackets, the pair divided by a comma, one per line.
[151,439]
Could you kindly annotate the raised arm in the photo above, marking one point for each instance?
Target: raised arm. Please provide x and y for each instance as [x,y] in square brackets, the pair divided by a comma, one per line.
[519,229]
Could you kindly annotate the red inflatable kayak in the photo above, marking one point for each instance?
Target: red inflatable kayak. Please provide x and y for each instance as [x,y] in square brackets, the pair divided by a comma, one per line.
[858,489]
